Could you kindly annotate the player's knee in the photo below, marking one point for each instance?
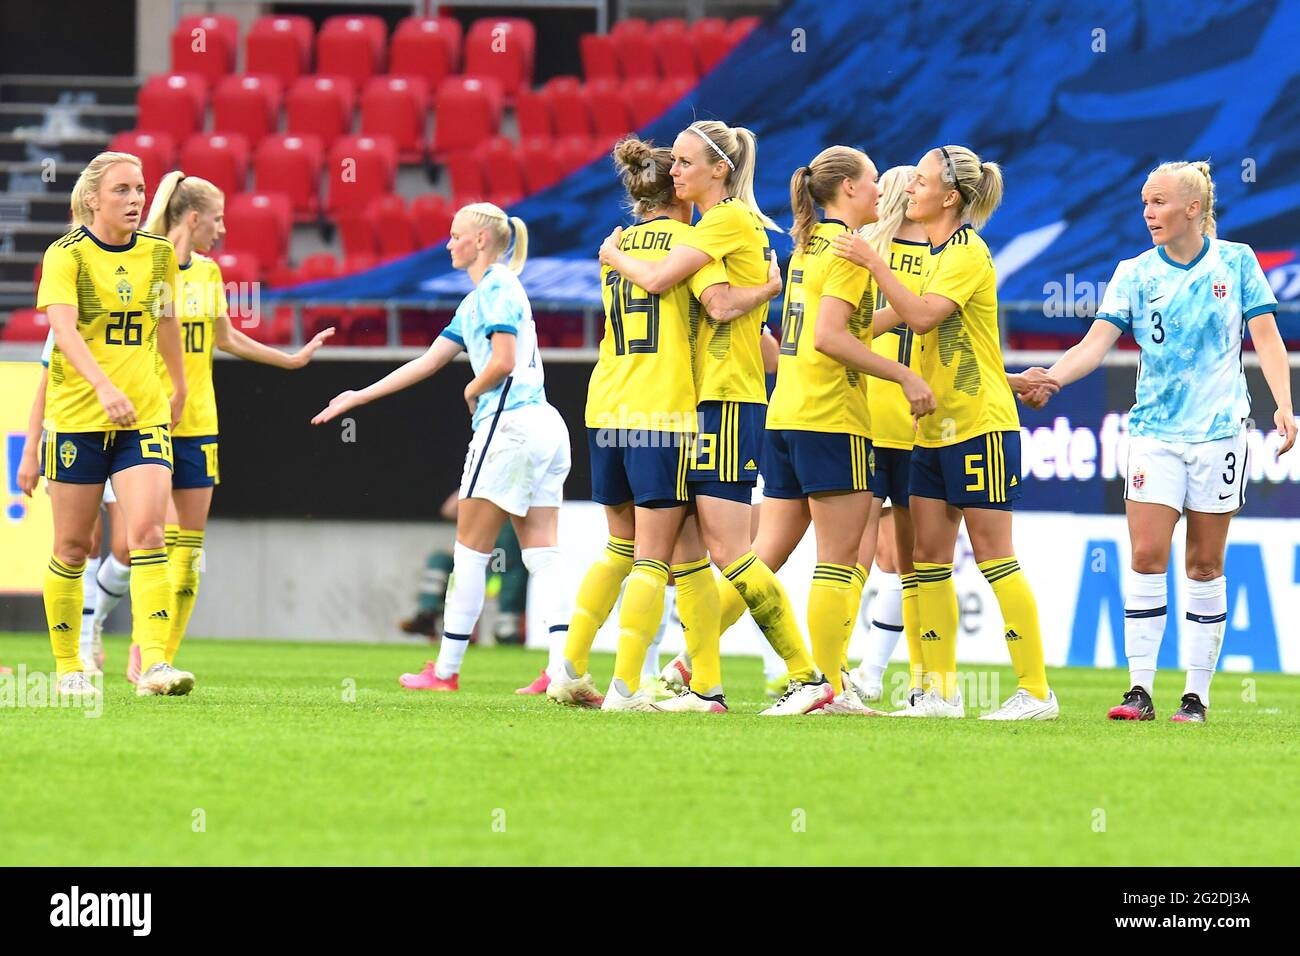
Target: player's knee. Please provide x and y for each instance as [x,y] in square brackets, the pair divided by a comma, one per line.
[146,537]
[72,551]
[1150,560]
[1204,570]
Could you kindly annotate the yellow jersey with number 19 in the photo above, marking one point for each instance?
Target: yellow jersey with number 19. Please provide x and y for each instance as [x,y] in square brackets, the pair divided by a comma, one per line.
[644,376]
[814,392]
[200,299]
[728,360]
[961,358]
[891,413]
[118,292]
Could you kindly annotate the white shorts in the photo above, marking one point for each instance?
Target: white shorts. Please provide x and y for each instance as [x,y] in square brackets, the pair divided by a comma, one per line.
[109,497]
[1207,476]
[519,461]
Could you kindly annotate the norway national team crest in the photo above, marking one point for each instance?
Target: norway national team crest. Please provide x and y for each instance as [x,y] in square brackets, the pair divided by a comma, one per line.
[67,454]
[124,291]
[1220,289]
[1139,479]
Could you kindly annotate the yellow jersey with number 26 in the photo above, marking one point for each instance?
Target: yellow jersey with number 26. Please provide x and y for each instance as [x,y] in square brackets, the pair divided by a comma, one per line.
[891,413]
[200,299]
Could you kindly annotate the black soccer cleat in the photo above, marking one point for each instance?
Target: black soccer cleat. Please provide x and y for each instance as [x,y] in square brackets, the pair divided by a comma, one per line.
[1192,711]
[1137,705]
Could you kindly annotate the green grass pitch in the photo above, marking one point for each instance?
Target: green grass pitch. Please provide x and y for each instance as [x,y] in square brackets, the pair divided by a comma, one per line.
[274,760]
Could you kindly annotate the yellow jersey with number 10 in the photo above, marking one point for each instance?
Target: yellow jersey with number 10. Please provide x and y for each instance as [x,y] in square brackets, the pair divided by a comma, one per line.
[814,392]
[118,292]
[728,360]
[200,298]
[891,413]
[961,358]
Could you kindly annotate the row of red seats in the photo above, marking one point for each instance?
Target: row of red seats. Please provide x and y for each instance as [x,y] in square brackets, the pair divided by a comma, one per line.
[668,48]
[563,106]
[357,47]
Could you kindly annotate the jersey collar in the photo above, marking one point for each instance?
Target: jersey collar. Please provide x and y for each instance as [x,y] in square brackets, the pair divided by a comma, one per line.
[187,265]
[837,222]
[935,250]
[106,247]
[910,242]
[642,222]
[1205,247]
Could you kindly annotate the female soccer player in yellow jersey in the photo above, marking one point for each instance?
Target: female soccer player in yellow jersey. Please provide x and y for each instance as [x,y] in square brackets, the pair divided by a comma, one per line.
[106,287]
[966,460]
[713,167]
[190,212]
[641,414]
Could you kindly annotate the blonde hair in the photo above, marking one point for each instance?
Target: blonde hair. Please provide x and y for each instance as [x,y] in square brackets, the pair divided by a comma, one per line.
[740,149]
[819,183]
[177,194]
[646,173]
[1196,183]
[486,215]
[892,207]
[89,180]
[978,184]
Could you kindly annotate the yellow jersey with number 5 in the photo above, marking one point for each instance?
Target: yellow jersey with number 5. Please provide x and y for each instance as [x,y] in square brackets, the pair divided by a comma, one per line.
[728,361]
[814,392]
[200,299]
[644,377]
[961,358]
[891,413]
[119,292]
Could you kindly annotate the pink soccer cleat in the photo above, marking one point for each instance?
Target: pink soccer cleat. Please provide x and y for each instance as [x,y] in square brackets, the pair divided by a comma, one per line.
[428,679]
[5,670]
[133,664]
[538,686]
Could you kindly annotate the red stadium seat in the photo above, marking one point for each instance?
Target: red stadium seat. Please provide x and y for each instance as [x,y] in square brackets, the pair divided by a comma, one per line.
[503,49]
[674,49]
[709,39]
[320,106]
[356,233]
[359,169]
[26,325]
[397,106]
[157,153]
[541,164]
[741,28]
[634,26]
[238,267]
[205,45]
[574,152]
[259,223]
[419,327]
[648,99]
[248,105]
[172,103]
[466,173]
[351,46]
[318,266]
[533,114]
[279,46]
[670,91]
[569,106]
[220,158]
[427,47]
[599,57]
[365,326]
[468,111]
[393,228]
[291,165]
[636,55]
[502,166]
[609,108]
[273,327]
[361,262]
[431,217]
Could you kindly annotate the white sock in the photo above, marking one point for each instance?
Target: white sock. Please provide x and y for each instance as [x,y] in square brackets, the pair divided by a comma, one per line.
[650,669]
[89,593]
[112,582]
[1207,617]
[773,663]
[885,622]
[464,605]
[550,589]
[1146,608]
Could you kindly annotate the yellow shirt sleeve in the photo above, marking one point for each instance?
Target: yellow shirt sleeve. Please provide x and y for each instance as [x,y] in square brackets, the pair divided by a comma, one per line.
[711,274]
[58,279]
[845,280]
[960,271]
[721,230]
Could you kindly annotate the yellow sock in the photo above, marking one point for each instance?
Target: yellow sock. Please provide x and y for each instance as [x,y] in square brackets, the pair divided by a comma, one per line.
[151,598]
[596,597]
[936,604]
[698,595]
[638,618]
[859,584]
[912,630]
[170,533]
[1020,618]
[63,613]
[770,607]
[830,618]
[731,606]
[183,572]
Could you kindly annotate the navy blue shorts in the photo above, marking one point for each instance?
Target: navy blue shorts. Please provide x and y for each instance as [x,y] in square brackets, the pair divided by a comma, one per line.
[892,475]
[728,445]
[797,464]
[638,465]
[91,458]
[196,462]
[981,472]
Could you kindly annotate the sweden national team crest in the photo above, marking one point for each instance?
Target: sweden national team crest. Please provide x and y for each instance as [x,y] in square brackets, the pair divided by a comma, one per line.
[1220,290]
[1139,478]
[871,463]
[124,292]
[67,454]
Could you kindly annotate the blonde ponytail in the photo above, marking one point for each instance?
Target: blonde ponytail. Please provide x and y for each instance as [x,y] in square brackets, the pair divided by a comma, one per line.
[818,183]
[979,184]
[1196,183]
[88,184]
[892,209]
[519,255]
[177,194]
[507,232]
[738,148]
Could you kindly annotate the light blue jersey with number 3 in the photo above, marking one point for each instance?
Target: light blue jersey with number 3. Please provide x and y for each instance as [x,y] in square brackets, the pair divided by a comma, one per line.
[499,304]
[1190,321]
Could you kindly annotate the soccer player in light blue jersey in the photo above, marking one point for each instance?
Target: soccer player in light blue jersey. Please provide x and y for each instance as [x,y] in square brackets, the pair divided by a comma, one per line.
[1187,302]
[519,455]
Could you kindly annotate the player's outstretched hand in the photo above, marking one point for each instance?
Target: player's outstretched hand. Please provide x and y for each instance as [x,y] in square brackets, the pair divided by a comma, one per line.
[29,472]
[117,406]
[339,404]
[610,245]
[1285,422]
[851,246]
[304,354]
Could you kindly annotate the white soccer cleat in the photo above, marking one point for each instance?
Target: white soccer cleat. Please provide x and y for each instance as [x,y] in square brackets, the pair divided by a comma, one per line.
[848,703]
[868,688]
[620,698]
[573,690]
[1023,705]
[76,684]
[90,665]
[676,674]
[163,680]
[800,698]
[933,704]
[690,702]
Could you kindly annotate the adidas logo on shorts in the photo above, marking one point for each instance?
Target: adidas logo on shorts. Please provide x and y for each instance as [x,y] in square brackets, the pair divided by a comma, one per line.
[160,615]
[929,636]
[750,466]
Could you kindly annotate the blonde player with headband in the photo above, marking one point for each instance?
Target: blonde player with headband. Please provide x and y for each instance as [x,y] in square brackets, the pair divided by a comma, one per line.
[713,167]
[1187,301]
[518,457]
